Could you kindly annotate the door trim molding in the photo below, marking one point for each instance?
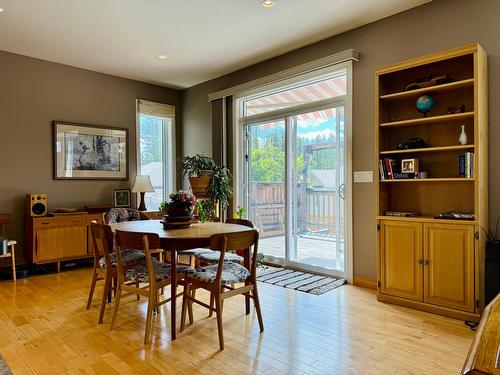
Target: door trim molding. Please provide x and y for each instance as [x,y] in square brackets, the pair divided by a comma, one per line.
[349,55]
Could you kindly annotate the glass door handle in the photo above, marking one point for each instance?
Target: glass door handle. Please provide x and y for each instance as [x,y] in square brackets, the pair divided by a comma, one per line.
[342,191]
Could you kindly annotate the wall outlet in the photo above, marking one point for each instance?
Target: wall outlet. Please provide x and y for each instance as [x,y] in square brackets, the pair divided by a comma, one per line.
[363,176]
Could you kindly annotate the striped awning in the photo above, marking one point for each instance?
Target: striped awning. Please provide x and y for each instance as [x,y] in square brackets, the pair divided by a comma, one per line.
[309,93]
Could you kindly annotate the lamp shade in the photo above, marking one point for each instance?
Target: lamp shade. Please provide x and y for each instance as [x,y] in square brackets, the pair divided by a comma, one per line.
[142,184]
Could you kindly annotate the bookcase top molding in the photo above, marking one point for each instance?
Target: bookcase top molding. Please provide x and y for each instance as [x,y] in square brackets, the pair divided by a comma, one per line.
[430,58]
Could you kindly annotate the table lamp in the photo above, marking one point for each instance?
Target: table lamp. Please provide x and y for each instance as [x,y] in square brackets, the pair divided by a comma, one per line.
[142,184]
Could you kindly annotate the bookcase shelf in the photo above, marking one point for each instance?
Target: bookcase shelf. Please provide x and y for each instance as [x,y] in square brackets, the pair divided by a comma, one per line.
[430,120]
[426,262]
[429,90]
[429,179]
[428,149]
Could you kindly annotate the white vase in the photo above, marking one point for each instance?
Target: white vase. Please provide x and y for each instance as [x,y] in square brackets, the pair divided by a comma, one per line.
[463,137]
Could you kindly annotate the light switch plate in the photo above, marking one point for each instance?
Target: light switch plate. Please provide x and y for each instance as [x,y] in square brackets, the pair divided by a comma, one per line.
[363,176]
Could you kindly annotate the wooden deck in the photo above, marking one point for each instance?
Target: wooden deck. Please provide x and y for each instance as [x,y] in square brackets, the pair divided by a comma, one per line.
[318,252]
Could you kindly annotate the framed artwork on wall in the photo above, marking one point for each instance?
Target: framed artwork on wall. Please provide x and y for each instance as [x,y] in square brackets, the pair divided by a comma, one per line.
[121,198]
[90,152]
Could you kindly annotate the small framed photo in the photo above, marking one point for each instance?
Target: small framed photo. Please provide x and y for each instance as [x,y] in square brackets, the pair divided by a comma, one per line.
[409,166]
[121,198]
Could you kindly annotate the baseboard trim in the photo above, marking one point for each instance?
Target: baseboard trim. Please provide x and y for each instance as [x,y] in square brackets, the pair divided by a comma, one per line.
[364,282]
[455,314]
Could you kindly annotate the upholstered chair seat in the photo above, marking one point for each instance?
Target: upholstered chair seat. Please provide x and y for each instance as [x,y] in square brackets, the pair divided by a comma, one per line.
[129,257]
[231,273]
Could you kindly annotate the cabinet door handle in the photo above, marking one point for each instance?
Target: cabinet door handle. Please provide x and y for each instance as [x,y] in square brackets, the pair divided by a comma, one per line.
[45,222]
[420,261]
[36,244]
[426,262]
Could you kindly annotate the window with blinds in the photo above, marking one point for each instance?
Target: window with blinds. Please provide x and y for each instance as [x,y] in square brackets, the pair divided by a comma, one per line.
[155,149]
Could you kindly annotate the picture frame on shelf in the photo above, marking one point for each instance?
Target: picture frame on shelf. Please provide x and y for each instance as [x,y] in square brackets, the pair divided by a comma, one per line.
[409,166]
[121,198]
[89,152]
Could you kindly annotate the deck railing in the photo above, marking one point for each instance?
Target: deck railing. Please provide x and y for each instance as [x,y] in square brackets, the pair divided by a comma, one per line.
[316,209]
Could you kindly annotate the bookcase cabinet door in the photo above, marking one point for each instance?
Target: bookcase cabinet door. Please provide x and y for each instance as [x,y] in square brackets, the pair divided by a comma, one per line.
[401,257]
[449,265]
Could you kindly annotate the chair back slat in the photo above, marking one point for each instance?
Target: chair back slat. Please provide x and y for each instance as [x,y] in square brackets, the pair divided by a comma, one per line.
[239,240]
[134,240]
[245,222]
[102,238]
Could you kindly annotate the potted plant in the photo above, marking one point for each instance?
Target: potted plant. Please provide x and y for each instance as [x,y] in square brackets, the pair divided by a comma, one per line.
[199,169]
[220,188]
[181,206]
[204,210]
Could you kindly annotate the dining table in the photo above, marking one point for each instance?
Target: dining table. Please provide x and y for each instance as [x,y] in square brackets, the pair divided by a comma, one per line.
[177,240]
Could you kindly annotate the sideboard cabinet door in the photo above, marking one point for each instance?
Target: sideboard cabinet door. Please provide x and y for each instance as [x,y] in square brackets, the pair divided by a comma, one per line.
[47,246]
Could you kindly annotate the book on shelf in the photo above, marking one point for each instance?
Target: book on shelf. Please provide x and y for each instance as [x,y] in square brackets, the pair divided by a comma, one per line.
[466,165]
[461,165]
[401,213]
[388,167]
[403,176]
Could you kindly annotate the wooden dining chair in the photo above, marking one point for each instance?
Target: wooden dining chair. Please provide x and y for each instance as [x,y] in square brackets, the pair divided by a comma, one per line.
[155,274]
[212,257]
[105,264]
[218,278]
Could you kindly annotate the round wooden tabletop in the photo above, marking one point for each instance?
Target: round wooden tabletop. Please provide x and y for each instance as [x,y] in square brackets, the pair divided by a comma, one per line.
[195,231]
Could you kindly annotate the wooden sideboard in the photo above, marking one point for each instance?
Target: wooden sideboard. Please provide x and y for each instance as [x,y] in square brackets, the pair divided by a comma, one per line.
[54,239]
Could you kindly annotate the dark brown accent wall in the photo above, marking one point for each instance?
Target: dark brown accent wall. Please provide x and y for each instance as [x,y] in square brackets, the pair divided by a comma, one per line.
[435,26]
[33,93]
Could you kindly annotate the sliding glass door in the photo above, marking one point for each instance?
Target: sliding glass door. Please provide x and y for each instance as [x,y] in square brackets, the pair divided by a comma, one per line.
[266,184]
[295,186]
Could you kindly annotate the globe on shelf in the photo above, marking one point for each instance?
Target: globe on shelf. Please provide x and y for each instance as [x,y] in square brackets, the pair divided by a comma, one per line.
[424,104]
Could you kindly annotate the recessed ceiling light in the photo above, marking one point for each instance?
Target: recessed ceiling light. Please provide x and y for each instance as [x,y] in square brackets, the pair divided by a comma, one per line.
[1,9]
[162,57]
[268,3]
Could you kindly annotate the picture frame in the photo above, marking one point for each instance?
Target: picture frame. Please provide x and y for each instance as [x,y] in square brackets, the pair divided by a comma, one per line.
[409,166]
[89,152]
[121,198]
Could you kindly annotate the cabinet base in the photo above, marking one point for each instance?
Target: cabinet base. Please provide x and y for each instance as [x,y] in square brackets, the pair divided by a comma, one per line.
[456,314]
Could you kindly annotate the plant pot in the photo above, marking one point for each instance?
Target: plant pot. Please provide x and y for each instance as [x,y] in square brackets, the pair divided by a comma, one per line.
[175,209]
[205,172]
[199,185]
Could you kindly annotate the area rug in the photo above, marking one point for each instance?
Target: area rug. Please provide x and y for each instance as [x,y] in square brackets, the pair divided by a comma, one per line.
[301,281]
[4,368]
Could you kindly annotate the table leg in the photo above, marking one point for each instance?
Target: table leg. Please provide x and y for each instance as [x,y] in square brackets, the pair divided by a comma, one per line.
[173,293]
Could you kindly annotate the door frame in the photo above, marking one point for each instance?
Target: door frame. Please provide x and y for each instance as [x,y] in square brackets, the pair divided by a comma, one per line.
[240,144]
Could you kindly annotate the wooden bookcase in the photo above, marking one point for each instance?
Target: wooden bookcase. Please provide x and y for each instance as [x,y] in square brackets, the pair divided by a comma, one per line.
[424,262]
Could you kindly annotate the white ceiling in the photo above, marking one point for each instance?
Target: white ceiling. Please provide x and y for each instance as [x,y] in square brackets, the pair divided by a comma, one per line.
[203,39]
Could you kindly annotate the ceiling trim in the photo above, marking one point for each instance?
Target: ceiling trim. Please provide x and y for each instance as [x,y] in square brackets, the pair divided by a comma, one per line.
[336,58]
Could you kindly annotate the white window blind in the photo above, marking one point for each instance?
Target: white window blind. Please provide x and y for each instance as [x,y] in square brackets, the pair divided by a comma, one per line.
[146,107]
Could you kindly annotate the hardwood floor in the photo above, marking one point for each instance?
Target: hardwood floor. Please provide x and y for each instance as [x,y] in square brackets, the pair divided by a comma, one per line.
[45,329]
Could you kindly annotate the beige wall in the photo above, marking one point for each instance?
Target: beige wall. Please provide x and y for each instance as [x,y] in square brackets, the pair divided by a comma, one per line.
[33,93]
[439,25]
